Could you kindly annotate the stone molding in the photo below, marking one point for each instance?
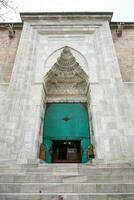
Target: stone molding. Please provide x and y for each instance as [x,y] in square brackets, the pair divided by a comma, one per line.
[81,16]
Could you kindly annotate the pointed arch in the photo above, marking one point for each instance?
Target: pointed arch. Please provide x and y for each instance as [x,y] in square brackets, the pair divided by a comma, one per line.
[76,53]
[65,83]
[66,78]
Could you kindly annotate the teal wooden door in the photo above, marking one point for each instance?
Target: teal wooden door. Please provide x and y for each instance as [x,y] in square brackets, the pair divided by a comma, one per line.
[66,121]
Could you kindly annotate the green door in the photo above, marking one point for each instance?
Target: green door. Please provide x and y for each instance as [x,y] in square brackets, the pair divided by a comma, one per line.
[66,121]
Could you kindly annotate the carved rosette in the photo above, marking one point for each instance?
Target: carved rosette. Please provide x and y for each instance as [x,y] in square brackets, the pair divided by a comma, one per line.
[66,77]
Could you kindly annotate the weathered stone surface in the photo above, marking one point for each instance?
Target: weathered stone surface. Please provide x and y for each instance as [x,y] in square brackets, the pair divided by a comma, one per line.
[124,46]
[34,184]
[8,49]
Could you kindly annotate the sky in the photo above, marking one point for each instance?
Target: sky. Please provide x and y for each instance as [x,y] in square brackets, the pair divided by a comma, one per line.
[123,9]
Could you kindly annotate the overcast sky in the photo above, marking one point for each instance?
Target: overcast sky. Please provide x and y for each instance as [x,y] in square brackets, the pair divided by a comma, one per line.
[123,9]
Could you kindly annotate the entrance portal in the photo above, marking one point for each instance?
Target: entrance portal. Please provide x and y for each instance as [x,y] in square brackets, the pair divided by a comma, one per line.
[66,151]
[67,121]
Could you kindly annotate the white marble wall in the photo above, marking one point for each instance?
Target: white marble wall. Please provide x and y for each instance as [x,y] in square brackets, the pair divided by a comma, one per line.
[111,100]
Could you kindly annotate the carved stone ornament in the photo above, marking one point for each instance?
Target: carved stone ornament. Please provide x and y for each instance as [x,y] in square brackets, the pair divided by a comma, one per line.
[66,77]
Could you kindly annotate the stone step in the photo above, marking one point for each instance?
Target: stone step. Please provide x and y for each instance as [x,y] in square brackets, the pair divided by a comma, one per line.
[68,165]
[53,165]
[41,178]
[69,196]
[66,188]
[104,165]
[72,171]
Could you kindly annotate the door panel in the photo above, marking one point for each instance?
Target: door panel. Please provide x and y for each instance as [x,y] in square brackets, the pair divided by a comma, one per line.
[66,121]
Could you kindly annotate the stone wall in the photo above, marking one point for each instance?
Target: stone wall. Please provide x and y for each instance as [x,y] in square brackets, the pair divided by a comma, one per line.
[112,100]
[8,48]
[124,46]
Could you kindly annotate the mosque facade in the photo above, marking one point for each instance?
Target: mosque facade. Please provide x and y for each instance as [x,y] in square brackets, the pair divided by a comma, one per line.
[66,82]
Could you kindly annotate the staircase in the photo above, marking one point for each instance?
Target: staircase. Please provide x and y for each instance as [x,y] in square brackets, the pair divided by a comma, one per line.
[67,182]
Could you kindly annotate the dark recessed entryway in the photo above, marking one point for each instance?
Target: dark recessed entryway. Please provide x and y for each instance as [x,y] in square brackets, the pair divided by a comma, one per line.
[66,151]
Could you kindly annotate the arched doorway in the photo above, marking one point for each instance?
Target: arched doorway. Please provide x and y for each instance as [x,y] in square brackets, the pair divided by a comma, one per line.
[66,132]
